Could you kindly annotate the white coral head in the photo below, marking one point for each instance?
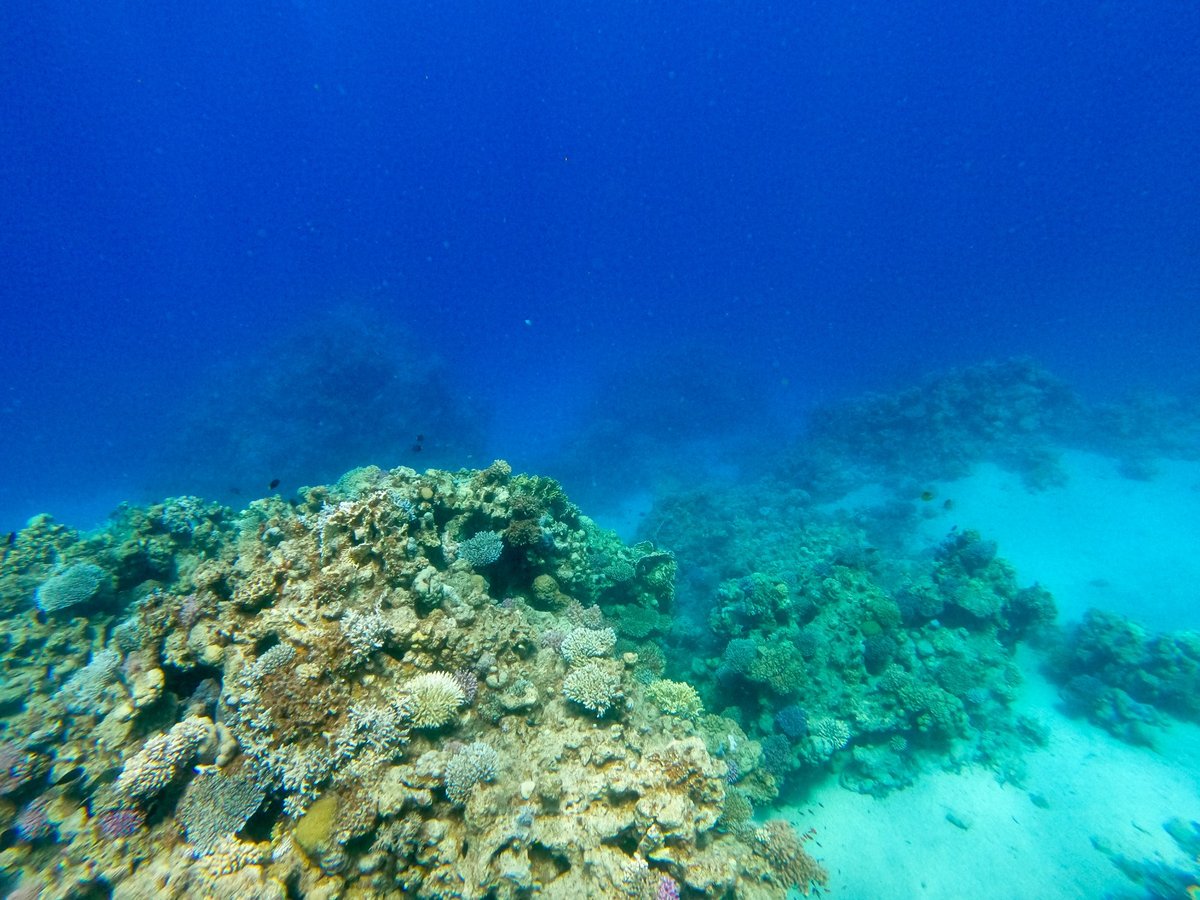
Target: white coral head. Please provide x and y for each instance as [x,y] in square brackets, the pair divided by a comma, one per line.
[432,699]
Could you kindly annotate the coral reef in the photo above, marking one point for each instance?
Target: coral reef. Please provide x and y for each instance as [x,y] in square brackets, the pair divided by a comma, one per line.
[1125,679]
[833,655]
[328,698]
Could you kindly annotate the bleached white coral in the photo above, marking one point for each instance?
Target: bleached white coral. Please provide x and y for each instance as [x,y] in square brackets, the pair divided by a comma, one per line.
[432,699]
[70,587]
[85,689]
[269,662]
[472,764]
[382,729]
[365,632]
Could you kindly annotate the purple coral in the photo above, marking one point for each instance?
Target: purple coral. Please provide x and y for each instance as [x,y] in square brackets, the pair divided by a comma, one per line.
[668,889]
[119,823]
[15,768]
[551,639]
[732,771]
[189,611]
[33,822]
[469,682]
[777,754]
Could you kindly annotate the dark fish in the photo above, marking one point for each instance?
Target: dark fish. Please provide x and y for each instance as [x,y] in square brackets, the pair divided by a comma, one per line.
[926,496]
[949,504]
[420,438]
[12,539]
[274,484]
[416,448]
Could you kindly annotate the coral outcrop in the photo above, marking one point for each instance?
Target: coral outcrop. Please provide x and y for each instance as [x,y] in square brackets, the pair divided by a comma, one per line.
[331,698]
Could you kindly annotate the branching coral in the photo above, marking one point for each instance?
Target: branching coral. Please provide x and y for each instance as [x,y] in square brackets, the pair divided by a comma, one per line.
[593,687]
[164,757]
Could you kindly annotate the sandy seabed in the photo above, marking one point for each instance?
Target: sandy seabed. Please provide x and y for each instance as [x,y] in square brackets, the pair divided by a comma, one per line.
[1099,540]
[1091,785]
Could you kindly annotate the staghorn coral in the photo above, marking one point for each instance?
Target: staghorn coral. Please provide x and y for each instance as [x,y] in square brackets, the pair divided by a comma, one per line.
[582,644]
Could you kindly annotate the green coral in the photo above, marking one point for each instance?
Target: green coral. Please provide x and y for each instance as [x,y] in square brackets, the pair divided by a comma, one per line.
[675,698]
[781,667]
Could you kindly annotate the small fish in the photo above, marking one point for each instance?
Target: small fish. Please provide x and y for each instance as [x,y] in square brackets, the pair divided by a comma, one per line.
[926,496]
[420,438]
[416,448]
[948,505]
[12,539]
[274,484]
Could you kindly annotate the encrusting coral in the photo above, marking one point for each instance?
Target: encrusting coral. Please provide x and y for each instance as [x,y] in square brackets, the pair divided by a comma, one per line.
[329,698]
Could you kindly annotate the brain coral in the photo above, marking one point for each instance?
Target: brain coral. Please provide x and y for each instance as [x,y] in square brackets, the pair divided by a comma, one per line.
[593,687]
[432,699]
[72,586]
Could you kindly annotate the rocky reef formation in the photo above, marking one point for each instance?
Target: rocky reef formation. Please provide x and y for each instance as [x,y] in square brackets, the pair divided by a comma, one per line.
[1124,678]
[407,684]
[833,657]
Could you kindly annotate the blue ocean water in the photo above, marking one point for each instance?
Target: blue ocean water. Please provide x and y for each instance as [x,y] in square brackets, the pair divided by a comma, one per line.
[550,214]
[871,329]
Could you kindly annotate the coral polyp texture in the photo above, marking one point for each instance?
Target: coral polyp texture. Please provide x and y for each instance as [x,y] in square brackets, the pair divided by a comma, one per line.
[333,698]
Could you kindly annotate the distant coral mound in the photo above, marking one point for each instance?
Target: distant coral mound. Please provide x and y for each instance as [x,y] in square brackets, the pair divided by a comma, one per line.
[343,390]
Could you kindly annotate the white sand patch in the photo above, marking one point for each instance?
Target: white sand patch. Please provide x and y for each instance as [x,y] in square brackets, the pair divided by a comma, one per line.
[904,845]
[1102,540]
